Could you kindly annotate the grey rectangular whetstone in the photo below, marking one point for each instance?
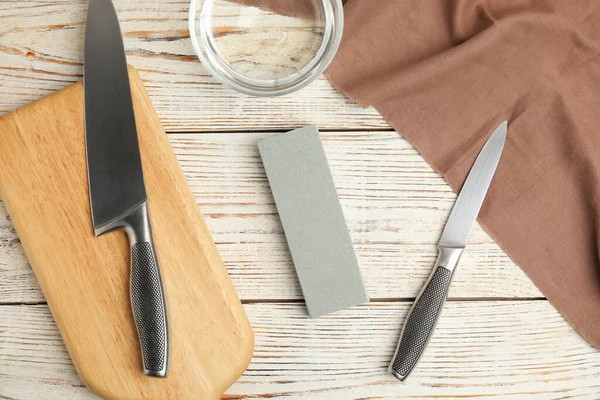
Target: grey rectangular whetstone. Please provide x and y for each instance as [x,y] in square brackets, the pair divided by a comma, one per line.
[313,221]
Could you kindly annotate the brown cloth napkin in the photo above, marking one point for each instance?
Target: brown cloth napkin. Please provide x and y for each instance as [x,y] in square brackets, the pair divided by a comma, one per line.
[445,73]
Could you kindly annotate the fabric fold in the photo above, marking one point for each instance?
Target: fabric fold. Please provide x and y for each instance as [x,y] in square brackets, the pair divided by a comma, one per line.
[444,74]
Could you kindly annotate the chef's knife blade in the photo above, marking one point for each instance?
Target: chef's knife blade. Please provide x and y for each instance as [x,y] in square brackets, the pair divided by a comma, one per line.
[422,318]
[116,182]
[114,165]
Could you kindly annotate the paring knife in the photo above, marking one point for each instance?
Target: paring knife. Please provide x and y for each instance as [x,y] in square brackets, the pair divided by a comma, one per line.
[427,308]
[117,191]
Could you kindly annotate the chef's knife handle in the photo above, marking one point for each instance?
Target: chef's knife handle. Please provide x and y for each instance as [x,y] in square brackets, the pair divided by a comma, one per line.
[148,303]
[424,314]
[147,295]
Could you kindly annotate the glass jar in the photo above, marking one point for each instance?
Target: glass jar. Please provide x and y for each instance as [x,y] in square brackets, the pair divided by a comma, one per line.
[266,47]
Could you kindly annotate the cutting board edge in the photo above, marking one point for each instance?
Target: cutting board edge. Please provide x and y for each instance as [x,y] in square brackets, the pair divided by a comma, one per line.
[245,333]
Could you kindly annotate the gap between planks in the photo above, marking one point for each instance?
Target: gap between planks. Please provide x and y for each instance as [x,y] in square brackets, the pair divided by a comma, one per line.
[296,301]
[266,129]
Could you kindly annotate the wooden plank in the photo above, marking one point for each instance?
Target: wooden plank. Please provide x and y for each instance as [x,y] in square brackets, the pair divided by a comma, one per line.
[516,349]
[395,205]
[42,51]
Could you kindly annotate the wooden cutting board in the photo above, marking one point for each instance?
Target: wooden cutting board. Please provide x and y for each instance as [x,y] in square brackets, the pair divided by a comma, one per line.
[85,279]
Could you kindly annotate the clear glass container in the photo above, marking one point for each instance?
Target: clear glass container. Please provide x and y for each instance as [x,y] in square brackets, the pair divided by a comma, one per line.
[266,47]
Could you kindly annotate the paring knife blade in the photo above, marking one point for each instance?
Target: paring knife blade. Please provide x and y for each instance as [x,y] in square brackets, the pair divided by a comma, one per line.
[116,181]
[422,318]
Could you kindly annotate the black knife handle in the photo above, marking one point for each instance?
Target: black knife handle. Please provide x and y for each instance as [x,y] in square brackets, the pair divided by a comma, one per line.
[148,303]
[424,314]
[147,295]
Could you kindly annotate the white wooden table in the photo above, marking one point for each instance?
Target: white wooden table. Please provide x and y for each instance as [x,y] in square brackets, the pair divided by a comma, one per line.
[498,336]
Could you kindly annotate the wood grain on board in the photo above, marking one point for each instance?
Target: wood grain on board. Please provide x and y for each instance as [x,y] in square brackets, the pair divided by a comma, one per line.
[86,279]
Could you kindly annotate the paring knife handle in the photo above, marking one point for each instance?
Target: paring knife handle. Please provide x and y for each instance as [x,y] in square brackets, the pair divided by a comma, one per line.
[424,314]
[147,295]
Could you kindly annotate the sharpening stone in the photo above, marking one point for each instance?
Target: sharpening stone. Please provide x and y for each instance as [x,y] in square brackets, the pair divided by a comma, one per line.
[313,221]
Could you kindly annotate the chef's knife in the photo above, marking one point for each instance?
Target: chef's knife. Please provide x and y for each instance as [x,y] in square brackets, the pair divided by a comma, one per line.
[117,191]
[427,308]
